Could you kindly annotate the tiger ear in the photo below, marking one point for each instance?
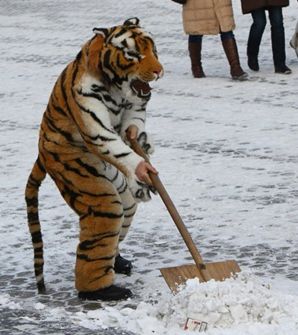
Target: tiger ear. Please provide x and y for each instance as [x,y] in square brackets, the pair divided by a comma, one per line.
[94,54]
[133,21]
[101,31]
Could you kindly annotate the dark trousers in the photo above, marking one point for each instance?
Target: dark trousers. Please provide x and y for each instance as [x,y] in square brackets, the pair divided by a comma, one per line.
[277,34]
[198,38]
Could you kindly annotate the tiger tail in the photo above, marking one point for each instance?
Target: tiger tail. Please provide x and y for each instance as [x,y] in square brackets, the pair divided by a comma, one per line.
[35,179]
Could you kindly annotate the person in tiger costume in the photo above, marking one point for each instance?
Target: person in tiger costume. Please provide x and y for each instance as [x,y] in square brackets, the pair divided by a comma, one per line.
[97,102]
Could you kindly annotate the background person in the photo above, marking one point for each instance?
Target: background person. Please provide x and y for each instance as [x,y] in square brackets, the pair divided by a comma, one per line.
[205,17]
[258,8]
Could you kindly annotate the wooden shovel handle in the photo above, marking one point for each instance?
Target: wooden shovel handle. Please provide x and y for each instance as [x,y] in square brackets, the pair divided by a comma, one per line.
[171,208]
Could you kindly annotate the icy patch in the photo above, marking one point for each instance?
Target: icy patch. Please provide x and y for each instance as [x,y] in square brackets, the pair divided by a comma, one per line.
[5,301]
[244,305]
[39,306]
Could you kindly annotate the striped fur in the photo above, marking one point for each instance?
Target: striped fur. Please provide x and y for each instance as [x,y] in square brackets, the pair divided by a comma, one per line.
[82,147]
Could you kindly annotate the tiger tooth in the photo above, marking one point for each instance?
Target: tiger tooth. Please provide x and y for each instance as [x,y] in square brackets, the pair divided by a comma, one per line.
[134,89]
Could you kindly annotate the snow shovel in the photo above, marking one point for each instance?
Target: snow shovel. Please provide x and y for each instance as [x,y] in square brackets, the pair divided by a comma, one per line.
[175,276]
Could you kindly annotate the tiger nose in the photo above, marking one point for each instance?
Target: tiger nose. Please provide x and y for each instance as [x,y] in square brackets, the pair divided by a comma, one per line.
[158,72]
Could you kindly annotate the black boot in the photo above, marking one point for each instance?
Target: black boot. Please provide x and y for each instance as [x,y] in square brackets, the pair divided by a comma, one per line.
[252,62]
[283,69]
[122,265]
[194,49]
[110,293]
[231,51]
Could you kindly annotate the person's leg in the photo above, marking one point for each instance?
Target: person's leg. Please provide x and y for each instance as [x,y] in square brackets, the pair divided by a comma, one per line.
[129,204]
[294,40]
[100,225]
[88,190]
[254,38]
[195,48]
[278,40]
[231,51]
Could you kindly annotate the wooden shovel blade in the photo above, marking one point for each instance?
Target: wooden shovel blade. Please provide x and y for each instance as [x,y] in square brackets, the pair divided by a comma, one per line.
[175,276]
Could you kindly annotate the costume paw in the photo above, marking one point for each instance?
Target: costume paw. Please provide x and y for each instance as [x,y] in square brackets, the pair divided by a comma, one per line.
[140,191]
[146,143]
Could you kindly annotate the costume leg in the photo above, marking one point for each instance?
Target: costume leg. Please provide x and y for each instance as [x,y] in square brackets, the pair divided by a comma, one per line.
[127,200]
[123,265]
[89,192]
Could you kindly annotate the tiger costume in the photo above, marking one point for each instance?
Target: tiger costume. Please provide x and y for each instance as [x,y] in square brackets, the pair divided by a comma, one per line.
[84,149]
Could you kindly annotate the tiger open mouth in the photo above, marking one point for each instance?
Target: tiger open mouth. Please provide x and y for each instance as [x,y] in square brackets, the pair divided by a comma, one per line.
[141,88]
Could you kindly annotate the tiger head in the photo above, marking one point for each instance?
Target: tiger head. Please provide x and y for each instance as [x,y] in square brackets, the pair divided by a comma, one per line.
[124,53]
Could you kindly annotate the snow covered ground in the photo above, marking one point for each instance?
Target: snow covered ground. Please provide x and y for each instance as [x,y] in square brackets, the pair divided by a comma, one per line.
[226,152]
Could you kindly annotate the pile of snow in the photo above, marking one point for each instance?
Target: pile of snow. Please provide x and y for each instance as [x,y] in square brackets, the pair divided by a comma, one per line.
[232,302]
[241,305]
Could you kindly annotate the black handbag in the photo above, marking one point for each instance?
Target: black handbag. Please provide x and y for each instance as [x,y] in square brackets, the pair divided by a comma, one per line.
[181,2]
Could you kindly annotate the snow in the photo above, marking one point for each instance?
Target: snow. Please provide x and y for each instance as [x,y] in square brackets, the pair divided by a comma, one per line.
[5,300]
[226,152]
[242,305]
[228,307]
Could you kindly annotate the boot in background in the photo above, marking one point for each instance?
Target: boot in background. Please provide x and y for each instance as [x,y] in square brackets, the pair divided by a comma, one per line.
[231,51]
[194,49]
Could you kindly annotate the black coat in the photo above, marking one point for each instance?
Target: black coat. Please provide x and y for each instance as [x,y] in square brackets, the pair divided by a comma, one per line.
[250,5]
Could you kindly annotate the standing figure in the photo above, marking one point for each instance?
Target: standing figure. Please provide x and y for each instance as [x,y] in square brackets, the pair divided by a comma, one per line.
[258,8]
[205,17]
[97,102]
